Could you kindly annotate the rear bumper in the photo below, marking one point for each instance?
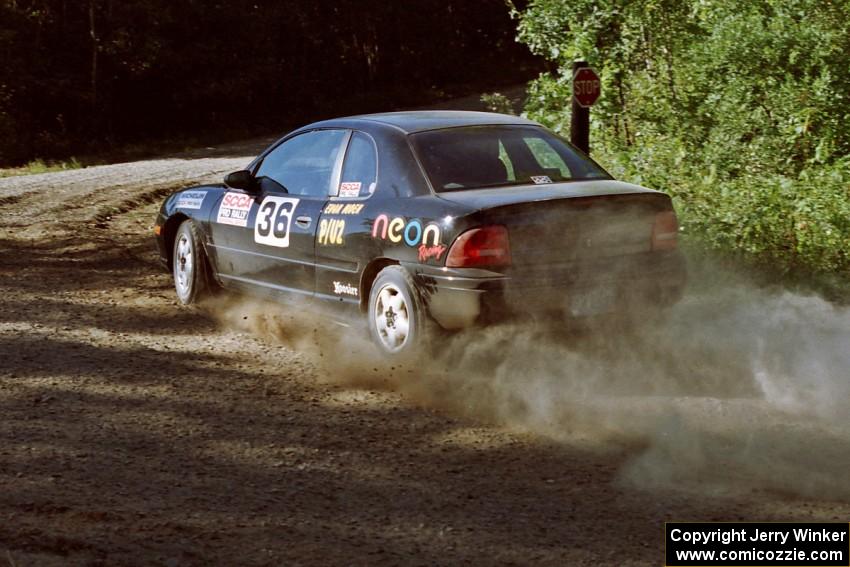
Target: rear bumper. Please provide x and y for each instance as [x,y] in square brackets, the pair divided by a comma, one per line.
[457,298]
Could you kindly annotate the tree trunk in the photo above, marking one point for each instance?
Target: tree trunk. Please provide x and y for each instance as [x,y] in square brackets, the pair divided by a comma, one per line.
[94,50]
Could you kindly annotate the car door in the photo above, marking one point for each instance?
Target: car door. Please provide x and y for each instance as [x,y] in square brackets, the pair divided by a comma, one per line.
[344,234]
[293,182]
[232,243]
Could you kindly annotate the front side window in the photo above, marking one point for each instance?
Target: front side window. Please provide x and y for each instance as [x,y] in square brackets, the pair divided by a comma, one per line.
[476,157]
[360,171]
[303,165]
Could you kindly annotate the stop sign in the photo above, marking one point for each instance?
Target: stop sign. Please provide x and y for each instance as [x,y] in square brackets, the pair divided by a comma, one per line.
[586,86]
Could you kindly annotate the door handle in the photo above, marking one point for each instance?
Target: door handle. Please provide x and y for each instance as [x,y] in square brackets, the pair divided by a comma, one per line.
[303,222]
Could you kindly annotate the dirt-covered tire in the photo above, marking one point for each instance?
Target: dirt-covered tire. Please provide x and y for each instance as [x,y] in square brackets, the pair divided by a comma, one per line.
[189,265]
[396,316]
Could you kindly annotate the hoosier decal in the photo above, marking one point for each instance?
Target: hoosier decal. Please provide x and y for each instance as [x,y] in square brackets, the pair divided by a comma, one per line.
[234,209]
[341,288]
[191,200]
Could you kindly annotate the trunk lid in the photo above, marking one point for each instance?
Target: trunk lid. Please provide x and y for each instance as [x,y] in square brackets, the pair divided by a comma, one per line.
[573,222]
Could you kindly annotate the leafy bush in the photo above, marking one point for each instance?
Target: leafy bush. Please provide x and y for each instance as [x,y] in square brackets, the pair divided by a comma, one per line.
[497,102]
[738,110]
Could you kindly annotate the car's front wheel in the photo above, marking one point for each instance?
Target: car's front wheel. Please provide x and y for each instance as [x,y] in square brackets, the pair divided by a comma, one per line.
[189,264]
[396,315]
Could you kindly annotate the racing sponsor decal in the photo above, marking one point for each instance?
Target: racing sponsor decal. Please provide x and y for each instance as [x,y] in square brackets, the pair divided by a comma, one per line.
[343,208]
[191,200]
[331,231]
[428,252]
[413,233]
[341,288]
[274,217]
[234,209]
[541,179]
[349,189]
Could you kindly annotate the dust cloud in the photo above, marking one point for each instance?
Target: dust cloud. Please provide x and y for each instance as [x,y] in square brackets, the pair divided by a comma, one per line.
[338,348]
[737,389]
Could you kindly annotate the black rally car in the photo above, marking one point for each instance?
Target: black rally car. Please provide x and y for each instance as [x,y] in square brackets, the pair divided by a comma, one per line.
[414,217]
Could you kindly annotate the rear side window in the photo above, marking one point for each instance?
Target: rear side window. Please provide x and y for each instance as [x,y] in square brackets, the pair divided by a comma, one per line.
[360,171]
[303,165]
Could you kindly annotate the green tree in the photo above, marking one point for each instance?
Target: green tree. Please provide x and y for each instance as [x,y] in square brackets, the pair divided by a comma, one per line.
[738,109]
[78,76]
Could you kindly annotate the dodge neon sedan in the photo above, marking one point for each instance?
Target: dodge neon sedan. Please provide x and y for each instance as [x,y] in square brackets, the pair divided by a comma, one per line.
[415,219]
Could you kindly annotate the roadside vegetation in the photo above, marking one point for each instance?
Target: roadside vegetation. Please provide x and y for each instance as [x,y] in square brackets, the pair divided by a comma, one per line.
[41,166]
[740,110]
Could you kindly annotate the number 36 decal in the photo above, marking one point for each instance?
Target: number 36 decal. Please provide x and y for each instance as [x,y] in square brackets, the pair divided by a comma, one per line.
[274,218]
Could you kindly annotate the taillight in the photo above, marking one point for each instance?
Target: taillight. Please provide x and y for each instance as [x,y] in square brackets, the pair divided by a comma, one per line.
[480,247]
[665,231]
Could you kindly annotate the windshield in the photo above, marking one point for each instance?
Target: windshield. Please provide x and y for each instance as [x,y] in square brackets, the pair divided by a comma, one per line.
[499,156]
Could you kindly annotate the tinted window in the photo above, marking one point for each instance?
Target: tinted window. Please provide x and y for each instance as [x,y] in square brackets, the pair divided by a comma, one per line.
[497,156]
[303,165]
[360,172]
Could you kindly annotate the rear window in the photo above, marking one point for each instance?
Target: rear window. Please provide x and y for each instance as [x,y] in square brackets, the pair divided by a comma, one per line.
[499,156]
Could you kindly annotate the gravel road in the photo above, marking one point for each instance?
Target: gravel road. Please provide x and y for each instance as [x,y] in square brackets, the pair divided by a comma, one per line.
[138,432]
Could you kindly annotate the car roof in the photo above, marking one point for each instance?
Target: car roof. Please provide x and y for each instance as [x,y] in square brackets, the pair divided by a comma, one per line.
[421,120]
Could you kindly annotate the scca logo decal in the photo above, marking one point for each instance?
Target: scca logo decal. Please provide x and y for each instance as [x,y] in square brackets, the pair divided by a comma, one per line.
[412,232]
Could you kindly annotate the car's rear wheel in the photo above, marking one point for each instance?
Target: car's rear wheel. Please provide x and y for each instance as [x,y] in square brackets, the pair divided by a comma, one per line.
[396,315]
[189,265]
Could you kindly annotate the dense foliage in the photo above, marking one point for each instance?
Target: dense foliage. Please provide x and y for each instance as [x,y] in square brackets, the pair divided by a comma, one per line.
[77,73]
[741,110]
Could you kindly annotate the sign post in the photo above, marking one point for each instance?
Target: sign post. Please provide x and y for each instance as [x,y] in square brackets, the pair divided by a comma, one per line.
[586,89]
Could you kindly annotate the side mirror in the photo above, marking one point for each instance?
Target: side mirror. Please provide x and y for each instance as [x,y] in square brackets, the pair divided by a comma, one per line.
[241,179]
